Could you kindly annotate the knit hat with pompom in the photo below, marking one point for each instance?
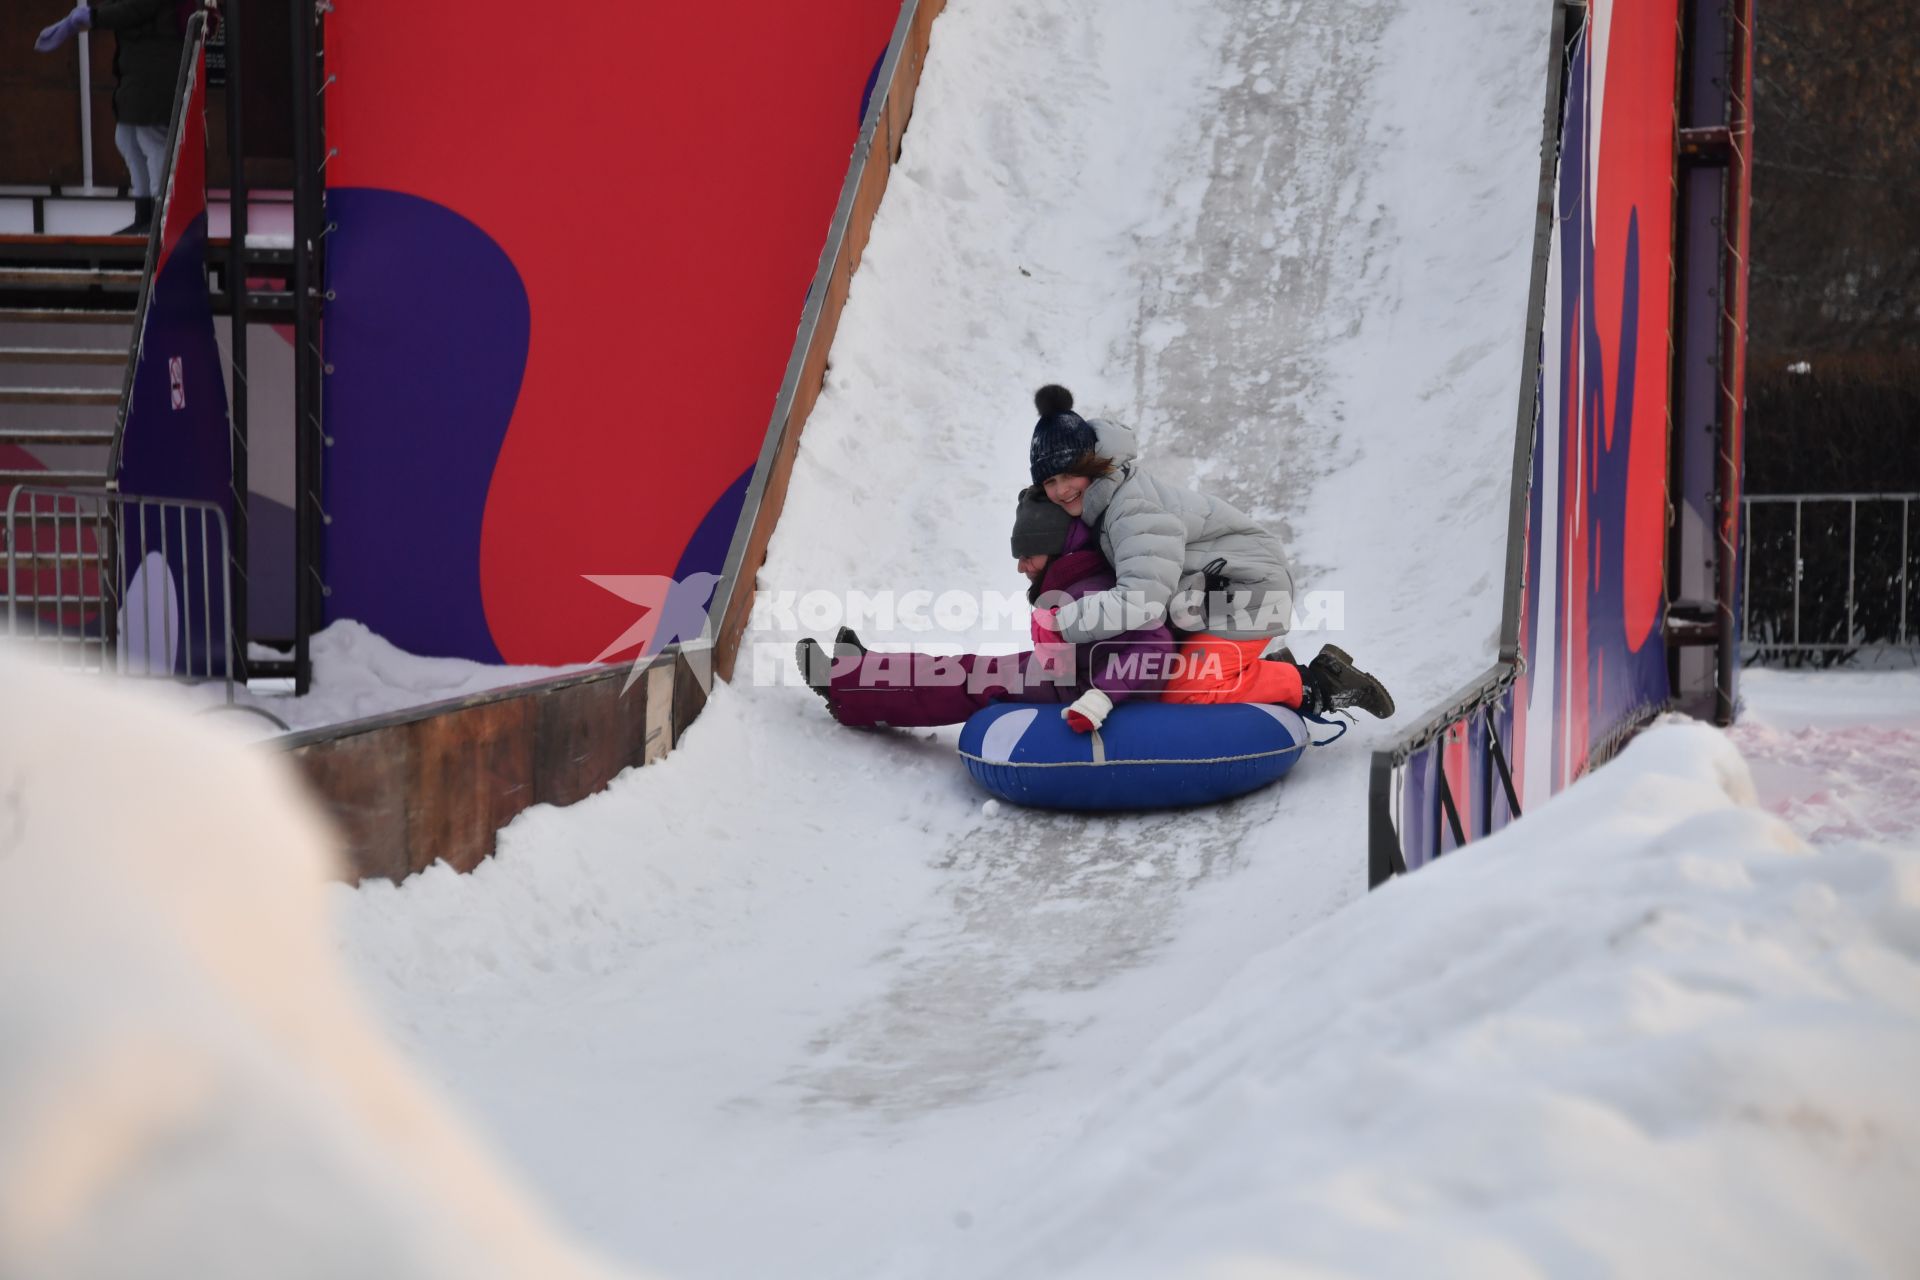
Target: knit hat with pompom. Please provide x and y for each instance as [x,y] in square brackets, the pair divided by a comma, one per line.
[1060,438]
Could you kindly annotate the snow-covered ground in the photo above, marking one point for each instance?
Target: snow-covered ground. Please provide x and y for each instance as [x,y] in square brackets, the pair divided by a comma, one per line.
[1649,1030]
[1835,753]
[794,1002]
[190,1085]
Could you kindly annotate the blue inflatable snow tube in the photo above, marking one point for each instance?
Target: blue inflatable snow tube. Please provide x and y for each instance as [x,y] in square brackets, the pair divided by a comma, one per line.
[1149,755]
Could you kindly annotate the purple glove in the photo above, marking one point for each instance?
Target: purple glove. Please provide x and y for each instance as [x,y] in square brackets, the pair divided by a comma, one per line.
[62,31]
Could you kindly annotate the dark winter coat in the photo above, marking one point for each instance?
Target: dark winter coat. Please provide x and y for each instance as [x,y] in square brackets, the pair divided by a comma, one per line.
[146,57]
[1079,571]
[943,689]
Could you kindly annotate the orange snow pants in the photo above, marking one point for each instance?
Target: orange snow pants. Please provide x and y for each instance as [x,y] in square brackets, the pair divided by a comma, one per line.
[1214,669]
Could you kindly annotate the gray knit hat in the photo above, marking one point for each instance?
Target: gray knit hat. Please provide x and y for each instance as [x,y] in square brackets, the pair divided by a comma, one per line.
[1040,526]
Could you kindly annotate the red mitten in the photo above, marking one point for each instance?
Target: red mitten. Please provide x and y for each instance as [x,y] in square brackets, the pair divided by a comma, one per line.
[1087,712]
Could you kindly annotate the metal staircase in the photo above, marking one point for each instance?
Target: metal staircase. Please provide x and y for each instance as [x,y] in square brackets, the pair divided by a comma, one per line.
[66,330]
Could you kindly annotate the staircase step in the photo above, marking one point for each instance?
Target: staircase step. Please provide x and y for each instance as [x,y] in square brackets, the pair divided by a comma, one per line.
[59,395]
[40,598]
[62,315]
[56,435]
[63,355]
[63,479]
[75,562]
[68,278]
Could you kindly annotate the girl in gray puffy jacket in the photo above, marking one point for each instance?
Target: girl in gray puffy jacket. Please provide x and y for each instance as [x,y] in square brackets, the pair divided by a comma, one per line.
[1188,559]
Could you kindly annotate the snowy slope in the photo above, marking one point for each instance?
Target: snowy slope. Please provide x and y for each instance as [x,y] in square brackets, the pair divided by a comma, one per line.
[795,977]
[1648,1031]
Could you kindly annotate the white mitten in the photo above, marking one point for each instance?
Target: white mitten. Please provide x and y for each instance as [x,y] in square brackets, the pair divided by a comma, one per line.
[1087,712]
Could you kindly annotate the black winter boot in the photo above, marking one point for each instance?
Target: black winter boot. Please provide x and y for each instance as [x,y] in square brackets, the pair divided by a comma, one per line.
[815,668]
[847,644]
[142,218]
[1333,683]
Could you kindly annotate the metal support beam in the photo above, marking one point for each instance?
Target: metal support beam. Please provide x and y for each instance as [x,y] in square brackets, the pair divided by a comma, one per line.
[306,389]
[238,568]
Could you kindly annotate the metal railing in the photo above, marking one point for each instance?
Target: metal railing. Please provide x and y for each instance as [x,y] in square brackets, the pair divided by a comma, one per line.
[1854,613]
[119,584]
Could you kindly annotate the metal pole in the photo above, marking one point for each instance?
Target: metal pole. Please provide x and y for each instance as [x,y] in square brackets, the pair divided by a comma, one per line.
[1506,775]
[239,624]
[226,587]
[146,597]
[86,112]
[206,599]
[1446,803]
[33,533]
[303,236]
[104,517]
[1853,522]
[166,601]
[1797,567]
[1385,858]
[122,647]
[1746,565]
[13,576]
[59,590]
[1736,228]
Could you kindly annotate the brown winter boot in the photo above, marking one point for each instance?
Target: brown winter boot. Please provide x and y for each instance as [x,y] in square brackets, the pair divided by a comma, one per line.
[1333,683]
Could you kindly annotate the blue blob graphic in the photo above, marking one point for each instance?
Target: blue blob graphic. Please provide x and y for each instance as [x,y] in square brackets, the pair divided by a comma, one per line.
[427,334]
[706,550]
[873,79]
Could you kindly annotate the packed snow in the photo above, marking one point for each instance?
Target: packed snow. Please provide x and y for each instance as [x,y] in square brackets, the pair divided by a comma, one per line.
[357,674]
[1836,753]
[189,1083]
[1647,1030]
[796,1001]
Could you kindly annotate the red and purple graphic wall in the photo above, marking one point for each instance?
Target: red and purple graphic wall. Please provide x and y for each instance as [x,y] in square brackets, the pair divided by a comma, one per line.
[1591,630]
[1591,592]
[564,272]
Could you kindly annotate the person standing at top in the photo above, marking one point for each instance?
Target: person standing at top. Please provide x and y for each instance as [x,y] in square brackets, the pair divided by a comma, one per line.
[1187,559]
[148,38]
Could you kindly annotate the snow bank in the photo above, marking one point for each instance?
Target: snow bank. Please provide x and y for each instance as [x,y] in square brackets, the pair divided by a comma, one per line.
[1647,1031]
[188,1086]
[357,673]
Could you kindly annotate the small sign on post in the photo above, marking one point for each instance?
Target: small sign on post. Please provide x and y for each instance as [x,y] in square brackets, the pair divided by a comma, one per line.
[177,381]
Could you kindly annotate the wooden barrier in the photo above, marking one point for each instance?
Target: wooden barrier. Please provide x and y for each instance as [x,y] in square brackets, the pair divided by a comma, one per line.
[436,783]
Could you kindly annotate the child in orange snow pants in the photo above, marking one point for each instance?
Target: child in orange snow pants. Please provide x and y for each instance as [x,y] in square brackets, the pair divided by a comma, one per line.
[1214,669]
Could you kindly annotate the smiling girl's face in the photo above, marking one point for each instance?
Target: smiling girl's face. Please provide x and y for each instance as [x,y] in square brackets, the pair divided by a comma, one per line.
[1068,492]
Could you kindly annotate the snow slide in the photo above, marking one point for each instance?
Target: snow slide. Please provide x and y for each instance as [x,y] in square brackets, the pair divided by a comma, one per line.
[795,976]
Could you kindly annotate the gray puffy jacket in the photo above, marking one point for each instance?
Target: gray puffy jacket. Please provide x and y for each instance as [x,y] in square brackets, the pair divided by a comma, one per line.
[1158,537]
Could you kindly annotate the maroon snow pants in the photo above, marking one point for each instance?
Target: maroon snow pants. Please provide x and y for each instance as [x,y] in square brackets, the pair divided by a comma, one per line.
[914,690]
